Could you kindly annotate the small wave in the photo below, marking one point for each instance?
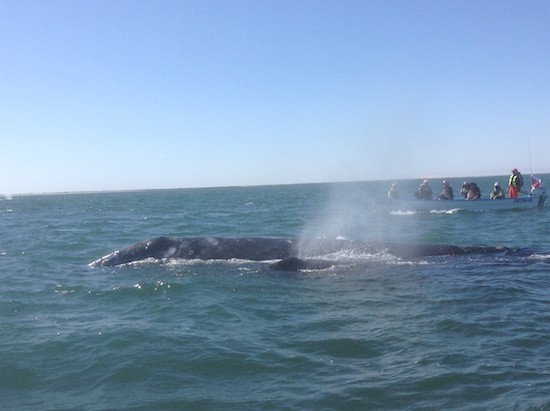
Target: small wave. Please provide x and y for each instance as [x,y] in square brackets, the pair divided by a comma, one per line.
[345,255]
[192,262]
[142,288]
[545,258]
[451,211]
[404,213]
[415,212]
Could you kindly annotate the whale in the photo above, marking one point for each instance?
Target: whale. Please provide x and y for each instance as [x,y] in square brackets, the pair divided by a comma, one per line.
[202,248]
[294,254]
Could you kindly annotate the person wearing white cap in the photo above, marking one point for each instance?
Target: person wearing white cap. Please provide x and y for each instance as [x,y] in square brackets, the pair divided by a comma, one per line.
[464,189]
[446,192]
[393,194]
[424,192]
[497,193]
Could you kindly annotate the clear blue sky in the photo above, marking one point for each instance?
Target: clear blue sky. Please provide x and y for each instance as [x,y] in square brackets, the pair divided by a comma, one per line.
[114,95]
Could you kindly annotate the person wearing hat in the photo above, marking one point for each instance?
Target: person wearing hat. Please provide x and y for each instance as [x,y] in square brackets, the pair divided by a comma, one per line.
[446,192]
[464,189]
[515,182]
[393,194]
[424,192]
[497,193]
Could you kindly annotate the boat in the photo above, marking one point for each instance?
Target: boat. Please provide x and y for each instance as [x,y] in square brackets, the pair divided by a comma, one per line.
[535,199]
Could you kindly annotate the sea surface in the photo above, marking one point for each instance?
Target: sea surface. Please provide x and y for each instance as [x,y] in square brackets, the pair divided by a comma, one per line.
[434,333]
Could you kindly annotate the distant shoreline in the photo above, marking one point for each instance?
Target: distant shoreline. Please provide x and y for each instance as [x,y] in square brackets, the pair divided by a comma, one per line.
[433,177]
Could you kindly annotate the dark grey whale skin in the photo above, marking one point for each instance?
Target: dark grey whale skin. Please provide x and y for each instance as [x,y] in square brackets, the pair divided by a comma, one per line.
[202,248]
[274,248]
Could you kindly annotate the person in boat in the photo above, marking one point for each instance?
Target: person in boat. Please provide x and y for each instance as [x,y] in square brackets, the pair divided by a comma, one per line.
[393,194]
[424,191]
[515,182]
[473,193]
[497,193]
[464,189]
[537,188]
[446,192]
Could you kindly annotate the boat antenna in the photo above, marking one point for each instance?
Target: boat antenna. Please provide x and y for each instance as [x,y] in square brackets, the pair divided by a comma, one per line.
[529,148]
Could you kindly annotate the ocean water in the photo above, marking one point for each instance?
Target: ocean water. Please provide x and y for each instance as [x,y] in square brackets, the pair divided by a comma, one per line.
[456,332]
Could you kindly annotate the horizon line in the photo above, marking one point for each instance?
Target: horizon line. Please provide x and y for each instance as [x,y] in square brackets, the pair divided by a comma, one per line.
[131,190]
